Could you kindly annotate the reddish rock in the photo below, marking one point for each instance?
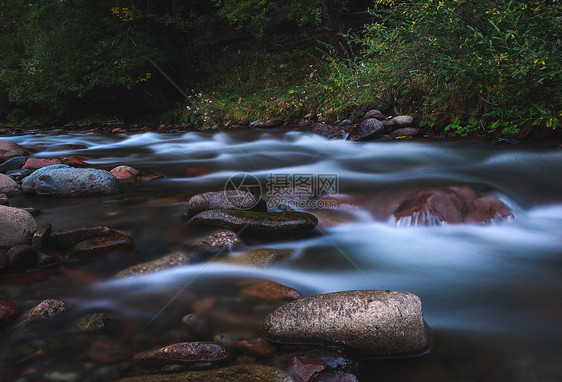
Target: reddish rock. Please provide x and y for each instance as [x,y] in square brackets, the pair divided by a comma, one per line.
[102,246]
[374,114]
[22,257]
[70,238]
[193,172]
[126,174]
[37,163]
[255,348]
[305,368]
[108,351]
[451,205]
[10,149]
[8,185]
[8,311]
[269,292]
[185,352]
[75,161]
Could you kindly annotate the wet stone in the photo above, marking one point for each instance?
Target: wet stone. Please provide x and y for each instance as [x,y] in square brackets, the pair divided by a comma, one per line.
[369,323]
[260,258]
[10,149]
[15,163]
[329,131]
[405,132]
[18,175]
[108,351]
[126,174]
[305,369]
[94,322]
[3,200]
[336,377]
[37,163]
[255,348]
[40,236]
[69,238]
[8,186]
[368,129]
[8,311]
[219,242]
[45,260]
[102,246]
[268,292]
[224,200]
[22,257]
[239,373]
[185,352]
[172,260]
[45,311]
[260,225]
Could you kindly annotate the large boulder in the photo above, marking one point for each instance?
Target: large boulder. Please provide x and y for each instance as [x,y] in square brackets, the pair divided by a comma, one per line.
[451,205]
[10,149]
[62,180]
[260,225]
[368,129]
[16,226]
[224,200]
[8,186]
[368,323]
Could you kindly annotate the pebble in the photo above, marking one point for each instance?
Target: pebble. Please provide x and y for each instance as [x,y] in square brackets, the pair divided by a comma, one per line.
[403,121]
[126,174]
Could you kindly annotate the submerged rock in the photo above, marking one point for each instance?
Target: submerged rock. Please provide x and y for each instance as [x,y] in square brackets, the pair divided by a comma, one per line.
[185,352]
[269,292]
[94,322]
[172,260]
[451,205]
[260,225]
[16,226]
[126,174]
[8,311]
[45,311]
[369,323]
[260,258]
[224,200]
[62,180]
[69,238]
[255,348]
[218,242]
[102,246]
[305,369]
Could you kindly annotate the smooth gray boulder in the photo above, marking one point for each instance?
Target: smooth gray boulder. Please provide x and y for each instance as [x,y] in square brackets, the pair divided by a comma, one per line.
[403,121]
[260,225]
[16,226]
[368,323]
[224,200]
[62,180]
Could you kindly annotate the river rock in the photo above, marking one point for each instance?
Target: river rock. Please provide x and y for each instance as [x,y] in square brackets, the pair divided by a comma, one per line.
[238,373]
[126,174]
[259,258]
[37,163]
[269,292]
[102,246]
[374,114]
[7,185]
[94,322]
[329,131]
[70,238]
[61,180]
[368,129]
[14,163]
[3,200]
[10,149]
[260,225]
[172,260]
[255,348]
[75,161]
[405,132]
[224,200]
[16,226]
[336,377]
[451,205]
[305,369]
[108,351]
[41,236]
[8,311]
[45,311]
[218,242]
[185,352]
[369,323]
[403,121]
[22,257]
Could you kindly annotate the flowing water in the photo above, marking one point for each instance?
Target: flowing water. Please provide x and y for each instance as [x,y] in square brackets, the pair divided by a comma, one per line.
[491,293]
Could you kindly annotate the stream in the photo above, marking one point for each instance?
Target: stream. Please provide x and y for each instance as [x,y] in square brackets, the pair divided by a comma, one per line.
[490,293]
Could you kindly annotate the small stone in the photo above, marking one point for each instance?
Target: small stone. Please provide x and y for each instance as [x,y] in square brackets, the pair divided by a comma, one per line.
[268,292]
[172,260]
[40,236]
[374,114]
[403,121]
[126,174]
[219,242]
[22,257]
[305,368]
[37,163]
[102,246]
[260,225]
[185,352]
[8,311]
[368,129]
[108,351]
[94,322]
[255,348]
[8,186]
[224,200]
[260,258]
[45,311]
